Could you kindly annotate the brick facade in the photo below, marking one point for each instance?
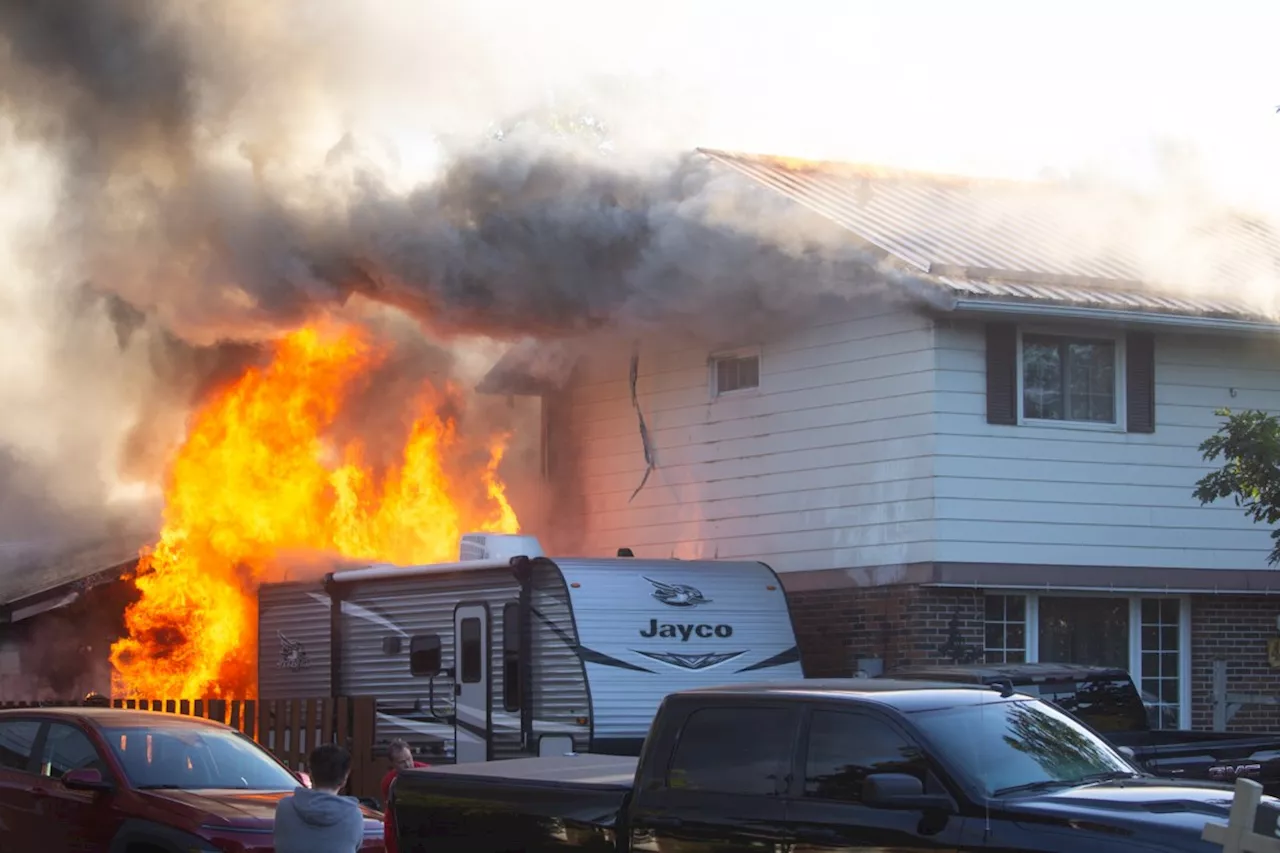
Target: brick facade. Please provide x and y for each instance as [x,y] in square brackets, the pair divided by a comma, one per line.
[1234,628]
[903,625]
[899,625]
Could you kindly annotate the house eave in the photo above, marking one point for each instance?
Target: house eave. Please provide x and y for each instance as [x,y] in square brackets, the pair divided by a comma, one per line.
[1220,325]
[60,595]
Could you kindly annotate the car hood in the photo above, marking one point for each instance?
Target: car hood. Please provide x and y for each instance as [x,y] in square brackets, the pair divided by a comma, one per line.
[234,808]
[1153,809]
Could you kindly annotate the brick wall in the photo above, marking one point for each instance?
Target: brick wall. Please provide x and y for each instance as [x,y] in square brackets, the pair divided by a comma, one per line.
[1235,629]
[900,625]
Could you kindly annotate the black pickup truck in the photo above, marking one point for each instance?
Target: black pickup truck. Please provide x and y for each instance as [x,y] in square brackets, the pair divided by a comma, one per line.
[1106,699]
[858,764]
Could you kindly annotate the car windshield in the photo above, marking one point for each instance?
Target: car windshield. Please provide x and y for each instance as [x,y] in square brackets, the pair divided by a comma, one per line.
[191,757]
[1006,747]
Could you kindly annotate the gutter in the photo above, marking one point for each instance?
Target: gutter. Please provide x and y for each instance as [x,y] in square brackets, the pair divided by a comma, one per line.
[1144,318]
[21,613]
[1119,589]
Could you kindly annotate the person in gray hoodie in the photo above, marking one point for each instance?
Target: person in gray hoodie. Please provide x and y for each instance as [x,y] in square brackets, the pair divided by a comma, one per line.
[317,819]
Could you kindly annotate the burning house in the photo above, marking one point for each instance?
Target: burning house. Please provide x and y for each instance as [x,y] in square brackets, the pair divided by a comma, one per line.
[988,455]
[61,607]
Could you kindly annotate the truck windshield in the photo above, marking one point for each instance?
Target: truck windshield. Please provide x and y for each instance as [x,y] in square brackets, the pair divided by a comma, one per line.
[1007,747]
[189,758]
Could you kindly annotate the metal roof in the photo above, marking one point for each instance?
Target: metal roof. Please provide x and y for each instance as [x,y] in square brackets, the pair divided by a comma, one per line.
[1002,240]
[1114,299]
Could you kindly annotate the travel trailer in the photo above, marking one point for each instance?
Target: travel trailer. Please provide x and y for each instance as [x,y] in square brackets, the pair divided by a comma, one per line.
[508,654]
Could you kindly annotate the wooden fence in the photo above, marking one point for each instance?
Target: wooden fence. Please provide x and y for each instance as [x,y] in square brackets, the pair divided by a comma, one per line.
[289,728]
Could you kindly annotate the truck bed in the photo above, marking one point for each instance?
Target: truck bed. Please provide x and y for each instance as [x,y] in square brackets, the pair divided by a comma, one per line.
[515,805]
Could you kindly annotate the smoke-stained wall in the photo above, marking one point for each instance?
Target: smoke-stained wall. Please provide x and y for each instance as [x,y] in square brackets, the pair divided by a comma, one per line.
[63,653]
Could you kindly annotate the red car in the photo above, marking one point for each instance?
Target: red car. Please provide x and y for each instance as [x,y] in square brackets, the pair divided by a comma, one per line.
[117,781]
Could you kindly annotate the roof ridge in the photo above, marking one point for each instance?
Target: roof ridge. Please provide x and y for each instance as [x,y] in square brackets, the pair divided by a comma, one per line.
[850,168]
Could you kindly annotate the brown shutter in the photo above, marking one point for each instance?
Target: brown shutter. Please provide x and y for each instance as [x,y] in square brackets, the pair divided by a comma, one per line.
[1002,373]
[1140,382]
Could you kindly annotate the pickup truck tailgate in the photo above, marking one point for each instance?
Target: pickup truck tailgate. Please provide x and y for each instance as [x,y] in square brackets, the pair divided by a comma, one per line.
[513,805]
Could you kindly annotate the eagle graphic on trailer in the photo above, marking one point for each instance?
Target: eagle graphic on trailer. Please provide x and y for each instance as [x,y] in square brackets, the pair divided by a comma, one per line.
[677,594]
[508,653]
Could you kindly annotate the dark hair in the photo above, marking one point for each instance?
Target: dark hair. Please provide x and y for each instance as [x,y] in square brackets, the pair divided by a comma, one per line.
[397,745]
[329,765]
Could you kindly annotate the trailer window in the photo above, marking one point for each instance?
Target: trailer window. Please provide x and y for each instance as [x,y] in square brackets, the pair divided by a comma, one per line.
[470,659]
[511,657]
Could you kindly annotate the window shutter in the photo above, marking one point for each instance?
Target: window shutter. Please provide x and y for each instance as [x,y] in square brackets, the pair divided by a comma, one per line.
[1140,382]
[1002,373]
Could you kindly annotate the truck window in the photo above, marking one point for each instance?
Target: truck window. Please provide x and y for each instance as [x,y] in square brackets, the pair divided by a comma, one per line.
[845,748]
[470,658]
[733,751]
[511,657]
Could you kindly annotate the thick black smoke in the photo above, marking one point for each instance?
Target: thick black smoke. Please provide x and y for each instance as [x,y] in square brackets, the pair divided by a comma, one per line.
[181,211]
[197,217]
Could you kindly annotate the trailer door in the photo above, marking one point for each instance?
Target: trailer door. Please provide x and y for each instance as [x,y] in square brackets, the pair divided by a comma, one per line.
[472,709]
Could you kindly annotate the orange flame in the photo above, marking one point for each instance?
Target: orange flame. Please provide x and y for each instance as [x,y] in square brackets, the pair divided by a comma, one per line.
[259,478]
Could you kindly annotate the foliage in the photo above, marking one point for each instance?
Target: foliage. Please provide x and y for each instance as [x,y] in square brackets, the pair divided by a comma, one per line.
[1248,443]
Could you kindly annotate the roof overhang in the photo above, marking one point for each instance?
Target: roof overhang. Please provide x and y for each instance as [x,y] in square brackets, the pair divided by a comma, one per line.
[1134,309]
[530,368]
[1220,325]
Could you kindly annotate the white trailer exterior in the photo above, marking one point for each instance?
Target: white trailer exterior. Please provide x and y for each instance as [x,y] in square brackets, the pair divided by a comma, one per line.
[503,657]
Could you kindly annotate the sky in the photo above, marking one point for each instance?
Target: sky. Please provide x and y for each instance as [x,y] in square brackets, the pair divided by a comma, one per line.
[985,87]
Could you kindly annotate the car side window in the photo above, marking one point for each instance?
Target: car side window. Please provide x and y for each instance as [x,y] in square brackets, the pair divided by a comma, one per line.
[845,748]
[68,748]
[17,740]
[733,751]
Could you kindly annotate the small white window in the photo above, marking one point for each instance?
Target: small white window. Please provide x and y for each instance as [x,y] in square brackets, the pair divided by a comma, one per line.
[734,372]
[1070,378]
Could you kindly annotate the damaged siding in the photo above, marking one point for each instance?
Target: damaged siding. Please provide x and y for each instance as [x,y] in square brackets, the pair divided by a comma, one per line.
[826,464]
[1096,497]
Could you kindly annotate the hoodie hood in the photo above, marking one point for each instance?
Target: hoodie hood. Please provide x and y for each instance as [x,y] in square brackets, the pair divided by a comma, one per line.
[320,808]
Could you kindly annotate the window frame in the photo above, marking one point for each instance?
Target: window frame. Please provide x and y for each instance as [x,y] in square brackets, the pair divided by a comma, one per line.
[1069,333]
[740,353]
[1135,598]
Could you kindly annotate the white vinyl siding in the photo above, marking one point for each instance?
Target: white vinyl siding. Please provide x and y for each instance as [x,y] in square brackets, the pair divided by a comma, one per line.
[1072,494]
[826,464]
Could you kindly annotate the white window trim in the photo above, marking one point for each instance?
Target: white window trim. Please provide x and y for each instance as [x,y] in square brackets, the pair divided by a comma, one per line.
[1135,636]
[1120,370]
[740,352]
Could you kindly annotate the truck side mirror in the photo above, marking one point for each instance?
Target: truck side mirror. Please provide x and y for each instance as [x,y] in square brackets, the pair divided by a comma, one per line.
[902,791]
[424,656]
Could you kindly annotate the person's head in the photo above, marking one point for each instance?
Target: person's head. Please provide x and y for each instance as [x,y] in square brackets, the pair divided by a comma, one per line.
[330,765]
[400,754]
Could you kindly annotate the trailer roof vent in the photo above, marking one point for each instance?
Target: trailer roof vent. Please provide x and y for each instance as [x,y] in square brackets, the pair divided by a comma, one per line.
[497,546]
